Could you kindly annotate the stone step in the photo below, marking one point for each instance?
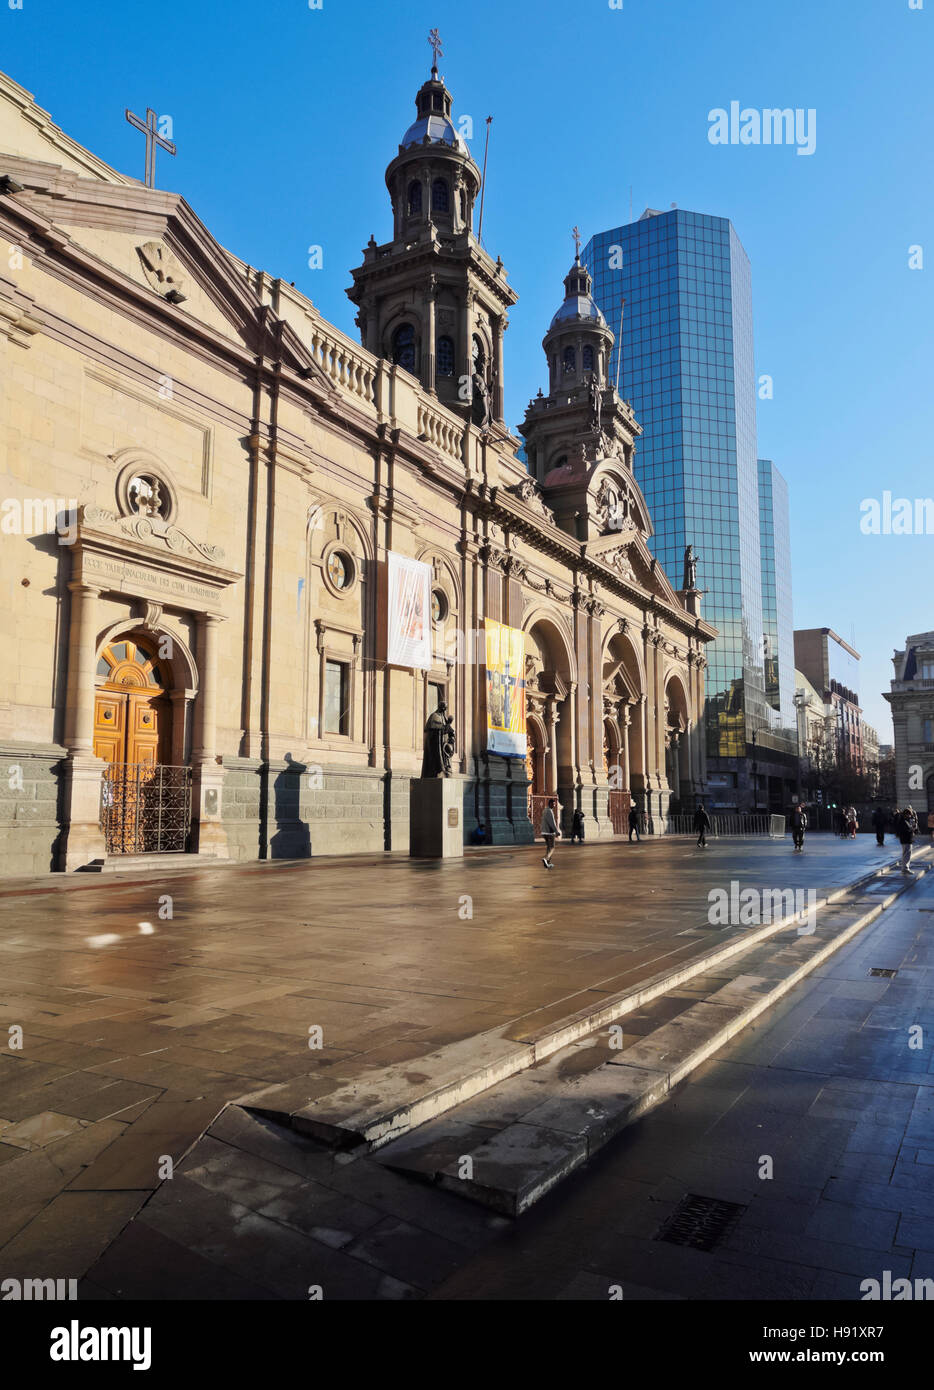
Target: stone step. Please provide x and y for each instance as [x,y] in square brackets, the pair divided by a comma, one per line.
[511,1146]
[381,1105]
[134,863]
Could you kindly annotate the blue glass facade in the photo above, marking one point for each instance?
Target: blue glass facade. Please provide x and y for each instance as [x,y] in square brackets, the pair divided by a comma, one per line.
[777,616]
[687,367]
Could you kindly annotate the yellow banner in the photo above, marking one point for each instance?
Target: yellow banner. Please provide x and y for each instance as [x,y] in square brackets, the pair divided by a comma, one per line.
[505,690]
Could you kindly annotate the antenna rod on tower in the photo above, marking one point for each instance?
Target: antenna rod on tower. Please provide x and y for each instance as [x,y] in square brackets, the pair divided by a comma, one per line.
[619,341]
[486,150]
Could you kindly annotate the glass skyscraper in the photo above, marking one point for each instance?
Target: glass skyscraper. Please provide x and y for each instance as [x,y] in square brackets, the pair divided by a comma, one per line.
[687,368]
[777,617]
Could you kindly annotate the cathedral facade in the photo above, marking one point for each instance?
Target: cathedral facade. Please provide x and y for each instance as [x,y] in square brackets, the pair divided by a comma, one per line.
[202,480]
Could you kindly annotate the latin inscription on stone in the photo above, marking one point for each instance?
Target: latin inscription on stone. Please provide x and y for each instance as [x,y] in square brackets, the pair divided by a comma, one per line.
[122,573]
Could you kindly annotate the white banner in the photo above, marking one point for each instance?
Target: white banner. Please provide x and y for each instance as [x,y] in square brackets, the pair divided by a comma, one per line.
[409,628]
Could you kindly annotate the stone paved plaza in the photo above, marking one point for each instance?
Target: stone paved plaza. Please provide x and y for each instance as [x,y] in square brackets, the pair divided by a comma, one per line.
[138,1028]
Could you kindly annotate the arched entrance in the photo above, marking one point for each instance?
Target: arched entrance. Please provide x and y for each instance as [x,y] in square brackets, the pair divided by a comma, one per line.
[537,770]
[549,687]
[146,787]
[677,746]
[623,687]
[619,798]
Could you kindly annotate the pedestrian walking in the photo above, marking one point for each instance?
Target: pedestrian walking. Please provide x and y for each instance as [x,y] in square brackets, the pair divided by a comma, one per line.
[701,825]
[839,822]
[577,827]
[550,831]
[799,823]
[852,822]
[879,822]
[906,837]
[634,824]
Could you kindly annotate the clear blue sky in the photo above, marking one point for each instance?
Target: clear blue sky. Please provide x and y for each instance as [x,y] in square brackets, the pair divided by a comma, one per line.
[286,117]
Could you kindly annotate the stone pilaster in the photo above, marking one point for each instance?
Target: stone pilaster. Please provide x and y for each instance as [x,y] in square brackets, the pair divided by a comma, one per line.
[208,834]
[83,840]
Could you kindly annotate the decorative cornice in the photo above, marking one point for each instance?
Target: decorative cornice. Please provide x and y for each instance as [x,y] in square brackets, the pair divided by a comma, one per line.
[151,531]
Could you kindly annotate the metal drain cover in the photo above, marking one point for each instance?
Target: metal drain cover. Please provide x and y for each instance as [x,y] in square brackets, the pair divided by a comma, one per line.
[883,974]
[701,1222]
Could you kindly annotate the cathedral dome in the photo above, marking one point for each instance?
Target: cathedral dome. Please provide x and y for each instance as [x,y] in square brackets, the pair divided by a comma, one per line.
[579,305]
[438,130]
[433,121]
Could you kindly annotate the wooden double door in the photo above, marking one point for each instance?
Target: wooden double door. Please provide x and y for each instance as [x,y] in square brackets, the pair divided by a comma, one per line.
[132,712]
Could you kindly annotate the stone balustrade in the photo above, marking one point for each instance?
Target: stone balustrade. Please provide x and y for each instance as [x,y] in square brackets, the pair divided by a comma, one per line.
[349,368]
[441,429]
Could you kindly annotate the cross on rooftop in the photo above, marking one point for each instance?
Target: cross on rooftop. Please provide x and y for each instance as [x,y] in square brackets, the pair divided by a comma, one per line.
[434,38]
[576,234]
[153,138]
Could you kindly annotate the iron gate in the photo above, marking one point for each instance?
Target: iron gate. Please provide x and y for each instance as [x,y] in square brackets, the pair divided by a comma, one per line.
[146,808]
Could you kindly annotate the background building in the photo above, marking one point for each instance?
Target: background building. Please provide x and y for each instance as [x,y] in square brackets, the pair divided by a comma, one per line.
[869,743]
[687,367]
[911,696]
[816,739]
[832,667]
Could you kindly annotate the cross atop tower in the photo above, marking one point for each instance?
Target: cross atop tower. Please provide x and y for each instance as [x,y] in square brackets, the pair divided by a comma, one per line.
[576,234]
[434,38]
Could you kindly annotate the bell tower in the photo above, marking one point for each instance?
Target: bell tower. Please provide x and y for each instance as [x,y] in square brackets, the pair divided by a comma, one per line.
[580,437]
[431,299]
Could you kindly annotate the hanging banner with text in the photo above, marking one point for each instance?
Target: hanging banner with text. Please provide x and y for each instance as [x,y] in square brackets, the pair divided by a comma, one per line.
[409,627]
[505,690]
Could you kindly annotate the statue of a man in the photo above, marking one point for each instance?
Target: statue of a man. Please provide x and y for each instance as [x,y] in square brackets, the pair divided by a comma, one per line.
[690,569]
[439,743]
[482,413]
[596,401]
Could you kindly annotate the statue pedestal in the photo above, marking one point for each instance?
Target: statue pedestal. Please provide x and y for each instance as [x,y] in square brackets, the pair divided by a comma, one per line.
[691,598]
[436,818]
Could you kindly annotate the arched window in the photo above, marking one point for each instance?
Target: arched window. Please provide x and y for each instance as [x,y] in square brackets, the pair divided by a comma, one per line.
[463,205]
[415,198]
[587,359]
[478,355]
[570,360]
[403,347]
[445,356]
[439,196]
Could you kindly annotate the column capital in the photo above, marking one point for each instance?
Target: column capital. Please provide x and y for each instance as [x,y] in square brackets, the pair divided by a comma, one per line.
[81,586]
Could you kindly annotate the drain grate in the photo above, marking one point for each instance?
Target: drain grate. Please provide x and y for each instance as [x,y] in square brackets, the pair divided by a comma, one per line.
[701,1222]
[883,974]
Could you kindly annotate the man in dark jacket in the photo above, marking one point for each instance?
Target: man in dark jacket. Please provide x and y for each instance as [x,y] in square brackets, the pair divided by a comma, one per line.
[904,829]
[701,825]
[799,823]
[879,821]
[634,823]
[577,827]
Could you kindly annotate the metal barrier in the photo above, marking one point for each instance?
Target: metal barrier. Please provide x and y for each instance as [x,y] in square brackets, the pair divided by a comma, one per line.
[722,827]
[145,808]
